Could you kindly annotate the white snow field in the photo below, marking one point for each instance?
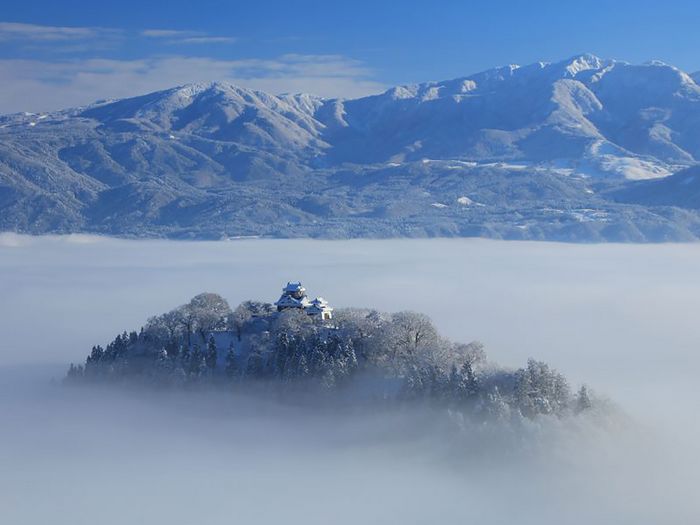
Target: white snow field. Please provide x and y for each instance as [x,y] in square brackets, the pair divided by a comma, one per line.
[621,318]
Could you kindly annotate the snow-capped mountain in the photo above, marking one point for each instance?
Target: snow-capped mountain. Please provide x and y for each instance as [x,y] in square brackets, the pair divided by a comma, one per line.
[173,161]
[587,114]
[221,112]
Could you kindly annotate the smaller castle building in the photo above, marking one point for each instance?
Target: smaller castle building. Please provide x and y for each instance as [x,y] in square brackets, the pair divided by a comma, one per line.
[294,296]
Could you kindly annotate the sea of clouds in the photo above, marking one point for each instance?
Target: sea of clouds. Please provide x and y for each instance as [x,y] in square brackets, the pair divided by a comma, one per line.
[621,318]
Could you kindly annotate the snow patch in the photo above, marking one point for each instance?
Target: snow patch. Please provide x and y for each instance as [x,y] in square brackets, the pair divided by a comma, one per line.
[590,215]
[465,201]
[467,86]
[633,168]
[432,93]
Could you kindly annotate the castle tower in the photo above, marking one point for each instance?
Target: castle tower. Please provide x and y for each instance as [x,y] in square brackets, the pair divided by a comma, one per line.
[293,296]
[320,307]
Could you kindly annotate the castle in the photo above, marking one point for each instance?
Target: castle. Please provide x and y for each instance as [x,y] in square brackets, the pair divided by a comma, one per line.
[294,296]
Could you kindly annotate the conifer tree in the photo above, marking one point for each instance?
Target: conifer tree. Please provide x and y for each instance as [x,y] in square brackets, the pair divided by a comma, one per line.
[73,373]
[583,400]
[231,364]
[523,393]
[471,384]
[185,356]
[197,362]
[211,354]
[96,354]
[495,406]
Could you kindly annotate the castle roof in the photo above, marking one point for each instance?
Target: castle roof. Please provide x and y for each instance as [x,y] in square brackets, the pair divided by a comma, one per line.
[287,301]
[319,305]
[293,287]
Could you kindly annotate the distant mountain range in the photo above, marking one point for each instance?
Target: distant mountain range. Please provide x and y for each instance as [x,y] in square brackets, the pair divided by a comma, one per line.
[580,150]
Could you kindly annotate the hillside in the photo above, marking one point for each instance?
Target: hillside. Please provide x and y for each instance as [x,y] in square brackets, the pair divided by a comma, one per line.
[681,189]
[372,356]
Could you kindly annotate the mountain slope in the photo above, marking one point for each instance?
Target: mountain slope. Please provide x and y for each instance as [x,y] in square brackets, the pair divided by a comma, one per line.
[681,189]
[213,159]
[568,111]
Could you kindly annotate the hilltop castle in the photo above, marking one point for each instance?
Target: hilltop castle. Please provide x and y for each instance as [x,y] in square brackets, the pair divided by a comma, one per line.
[294,296]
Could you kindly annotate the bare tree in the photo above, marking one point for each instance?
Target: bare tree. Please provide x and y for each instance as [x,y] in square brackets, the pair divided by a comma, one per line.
[205,312]
[245,312]
[412,333]
[473,352]
[365,327]
[292,320]
[165,327]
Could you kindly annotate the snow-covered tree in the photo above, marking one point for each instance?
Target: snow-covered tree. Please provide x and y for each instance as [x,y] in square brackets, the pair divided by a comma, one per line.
[494,406]
[179,348]
[411,334]
[243,314]
[205,312]
[464,384]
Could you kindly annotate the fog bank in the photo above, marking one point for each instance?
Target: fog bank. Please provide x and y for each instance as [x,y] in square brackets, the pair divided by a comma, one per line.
[620,318]
[83,456]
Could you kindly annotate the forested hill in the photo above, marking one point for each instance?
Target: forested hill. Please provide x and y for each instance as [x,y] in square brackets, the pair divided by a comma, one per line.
[393,357]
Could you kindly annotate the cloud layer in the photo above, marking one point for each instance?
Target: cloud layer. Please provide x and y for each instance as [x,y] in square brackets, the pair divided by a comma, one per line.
[40,33]
[175,36]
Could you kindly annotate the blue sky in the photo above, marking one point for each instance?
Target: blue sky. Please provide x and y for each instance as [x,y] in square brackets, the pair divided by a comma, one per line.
[59,53]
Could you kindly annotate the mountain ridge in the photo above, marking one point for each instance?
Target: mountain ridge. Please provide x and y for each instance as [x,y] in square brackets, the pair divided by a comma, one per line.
[170,162]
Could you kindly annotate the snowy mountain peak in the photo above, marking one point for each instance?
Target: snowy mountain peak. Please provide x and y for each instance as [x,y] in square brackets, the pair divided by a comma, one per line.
[218,86]
[403,92]
[585,62]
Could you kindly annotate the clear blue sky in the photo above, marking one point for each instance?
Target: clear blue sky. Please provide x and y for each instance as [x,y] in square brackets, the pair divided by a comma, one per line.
[351,47]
